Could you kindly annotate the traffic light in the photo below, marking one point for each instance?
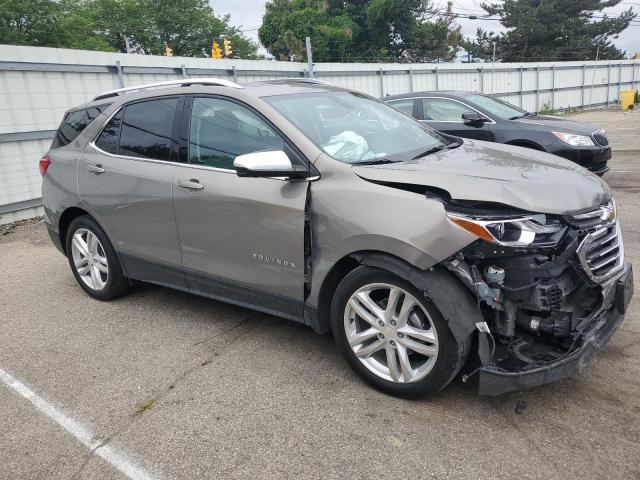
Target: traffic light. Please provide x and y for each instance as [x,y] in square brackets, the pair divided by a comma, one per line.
[168,51]
[227,47]
[215,51]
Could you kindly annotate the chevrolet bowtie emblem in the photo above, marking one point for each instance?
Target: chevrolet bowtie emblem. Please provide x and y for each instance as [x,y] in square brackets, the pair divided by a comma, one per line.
[608,214]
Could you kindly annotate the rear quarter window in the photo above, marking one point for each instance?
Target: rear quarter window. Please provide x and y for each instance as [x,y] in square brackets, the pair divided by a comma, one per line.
[74,123]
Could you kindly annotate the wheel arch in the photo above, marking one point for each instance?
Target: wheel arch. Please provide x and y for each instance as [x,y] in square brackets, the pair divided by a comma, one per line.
[68,216]
[526,144]
[461,312]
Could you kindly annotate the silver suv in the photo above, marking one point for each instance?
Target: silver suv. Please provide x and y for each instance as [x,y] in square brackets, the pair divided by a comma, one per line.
[425,254]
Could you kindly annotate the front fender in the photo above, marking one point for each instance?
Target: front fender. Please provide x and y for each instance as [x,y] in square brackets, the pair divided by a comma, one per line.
[349,214]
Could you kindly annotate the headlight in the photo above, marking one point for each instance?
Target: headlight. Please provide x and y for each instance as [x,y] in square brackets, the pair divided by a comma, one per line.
[575,140]
[513,232]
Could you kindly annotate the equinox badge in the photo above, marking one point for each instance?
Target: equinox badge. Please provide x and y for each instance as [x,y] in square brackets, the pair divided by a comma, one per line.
[273,260]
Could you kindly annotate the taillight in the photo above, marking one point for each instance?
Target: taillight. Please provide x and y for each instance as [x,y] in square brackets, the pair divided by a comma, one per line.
[44,164]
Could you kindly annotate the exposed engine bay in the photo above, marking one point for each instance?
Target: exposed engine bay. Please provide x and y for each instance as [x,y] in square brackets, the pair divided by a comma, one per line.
[544,283]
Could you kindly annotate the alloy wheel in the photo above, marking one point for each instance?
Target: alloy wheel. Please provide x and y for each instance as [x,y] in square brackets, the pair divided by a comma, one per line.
[391,333]
[90,259]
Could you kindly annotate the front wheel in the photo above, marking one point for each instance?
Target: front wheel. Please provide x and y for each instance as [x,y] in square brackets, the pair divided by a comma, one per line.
[392,336]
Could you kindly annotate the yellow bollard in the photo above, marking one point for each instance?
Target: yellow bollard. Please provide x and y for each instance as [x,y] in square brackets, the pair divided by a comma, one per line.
[627,99]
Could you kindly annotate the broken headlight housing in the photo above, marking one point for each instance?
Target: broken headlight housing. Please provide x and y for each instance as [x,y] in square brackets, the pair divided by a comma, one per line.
[536,230]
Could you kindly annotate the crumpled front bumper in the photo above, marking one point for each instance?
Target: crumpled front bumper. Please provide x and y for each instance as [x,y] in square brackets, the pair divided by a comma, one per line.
[495,381]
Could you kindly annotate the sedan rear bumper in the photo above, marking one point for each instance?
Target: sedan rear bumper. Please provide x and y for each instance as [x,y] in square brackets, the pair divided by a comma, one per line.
[495,381]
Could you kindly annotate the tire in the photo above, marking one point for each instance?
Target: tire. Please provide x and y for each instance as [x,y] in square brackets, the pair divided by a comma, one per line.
[426,375]
[93,260]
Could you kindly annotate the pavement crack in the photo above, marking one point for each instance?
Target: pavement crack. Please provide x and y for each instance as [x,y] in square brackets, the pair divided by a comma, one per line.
[514,426]
[91,454]
[137,415]
[244,321]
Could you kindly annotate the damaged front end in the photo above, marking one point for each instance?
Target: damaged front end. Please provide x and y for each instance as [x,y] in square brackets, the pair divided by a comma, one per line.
[552,290]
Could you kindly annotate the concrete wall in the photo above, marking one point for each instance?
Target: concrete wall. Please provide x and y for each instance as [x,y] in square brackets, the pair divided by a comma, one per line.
[37,85]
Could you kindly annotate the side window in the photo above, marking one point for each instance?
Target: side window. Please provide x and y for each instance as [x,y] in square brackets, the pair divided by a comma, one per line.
[74,123]
[108,139]
[443,110]
[146,129]
[405,105]
[221,130]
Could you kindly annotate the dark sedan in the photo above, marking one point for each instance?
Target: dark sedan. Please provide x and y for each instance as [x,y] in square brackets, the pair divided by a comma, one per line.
[473,115]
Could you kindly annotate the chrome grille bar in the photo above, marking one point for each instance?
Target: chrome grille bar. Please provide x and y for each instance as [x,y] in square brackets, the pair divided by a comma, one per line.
[601,252]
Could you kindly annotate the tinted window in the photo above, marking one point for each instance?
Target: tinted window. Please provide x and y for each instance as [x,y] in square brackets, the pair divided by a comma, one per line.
[497,107]
[146,129]
[405,105]
[108,139]
[74,123]
[443,110]
[221,130]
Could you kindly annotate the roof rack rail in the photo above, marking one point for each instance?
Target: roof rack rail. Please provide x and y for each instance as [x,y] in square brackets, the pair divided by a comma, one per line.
[169,83]
[294,79]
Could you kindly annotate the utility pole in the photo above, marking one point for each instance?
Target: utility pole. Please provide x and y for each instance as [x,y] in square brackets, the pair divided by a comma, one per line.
[593,77]
[309,57]
[493,66]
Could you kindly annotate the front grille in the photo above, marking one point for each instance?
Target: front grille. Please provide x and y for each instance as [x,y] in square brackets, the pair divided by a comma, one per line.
[600,137]
[601,252]
[593,218]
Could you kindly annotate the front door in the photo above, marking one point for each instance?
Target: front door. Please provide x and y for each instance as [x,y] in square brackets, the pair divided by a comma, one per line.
[125,179]
[445,115]
[242,239]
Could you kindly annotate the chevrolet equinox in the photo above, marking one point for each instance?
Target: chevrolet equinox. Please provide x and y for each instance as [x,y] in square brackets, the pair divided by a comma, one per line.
[423,253]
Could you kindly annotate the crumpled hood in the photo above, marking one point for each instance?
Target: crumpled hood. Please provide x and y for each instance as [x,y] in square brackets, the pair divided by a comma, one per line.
[491,172]
[559,124]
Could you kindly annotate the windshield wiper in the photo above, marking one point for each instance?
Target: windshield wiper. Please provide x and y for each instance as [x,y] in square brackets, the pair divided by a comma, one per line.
[528,114]
[377,161]
[437,149]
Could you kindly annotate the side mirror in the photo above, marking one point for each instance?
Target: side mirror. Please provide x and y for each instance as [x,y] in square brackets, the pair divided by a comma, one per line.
[474,117]
[268,164]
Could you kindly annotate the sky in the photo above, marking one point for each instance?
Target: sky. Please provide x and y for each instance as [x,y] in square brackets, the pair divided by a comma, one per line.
[248,14]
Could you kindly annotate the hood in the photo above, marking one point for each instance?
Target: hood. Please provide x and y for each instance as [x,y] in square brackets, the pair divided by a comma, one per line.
[558,124]
[490,172]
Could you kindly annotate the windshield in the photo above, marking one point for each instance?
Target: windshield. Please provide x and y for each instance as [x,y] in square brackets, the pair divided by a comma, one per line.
[354,128]
[500,109]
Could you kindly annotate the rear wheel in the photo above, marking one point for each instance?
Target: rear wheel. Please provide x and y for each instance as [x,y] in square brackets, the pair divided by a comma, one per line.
[392,336]
[93,260]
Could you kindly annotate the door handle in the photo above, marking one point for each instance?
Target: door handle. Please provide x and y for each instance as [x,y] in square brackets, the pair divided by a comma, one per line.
[192,184]
[97,169]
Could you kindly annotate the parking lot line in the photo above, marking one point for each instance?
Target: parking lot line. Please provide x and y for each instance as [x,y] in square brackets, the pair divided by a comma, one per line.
[108,453]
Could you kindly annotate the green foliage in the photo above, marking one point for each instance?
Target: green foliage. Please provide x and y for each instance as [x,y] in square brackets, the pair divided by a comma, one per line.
[48,23]
[359,30]
[286,23]
[187,26]
[551,30]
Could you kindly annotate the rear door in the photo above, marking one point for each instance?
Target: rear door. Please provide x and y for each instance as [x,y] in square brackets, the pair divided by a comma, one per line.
[241,238]
[405,105]
[445,115]
[125,178]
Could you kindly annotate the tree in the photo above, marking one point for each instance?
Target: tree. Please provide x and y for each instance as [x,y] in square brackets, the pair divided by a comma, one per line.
[551,30]
[286,24]
[187,26]
[360,30]
[48,23]
[411,30]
